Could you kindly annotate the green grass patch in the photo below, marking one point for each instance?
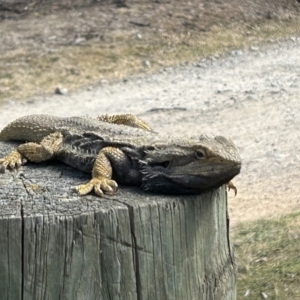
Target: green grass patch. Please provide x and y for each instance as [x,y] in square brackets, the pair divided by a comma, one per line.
[268,254]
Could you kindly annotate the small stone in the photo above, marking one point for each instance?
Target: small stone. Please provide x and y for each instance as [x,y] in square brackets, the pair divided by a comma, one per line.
[60,91]
[139,36]
[79,40]
[74,71]
[30,101]
[238,52]
[168,69]
[272,153]
[146,64]
[201,65]
[254,48]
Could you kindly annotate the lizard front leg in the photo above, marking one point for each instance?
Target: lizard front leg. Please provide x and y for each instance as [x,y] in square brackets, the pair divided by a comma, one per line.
[231,186]
[102,173]
[33,152]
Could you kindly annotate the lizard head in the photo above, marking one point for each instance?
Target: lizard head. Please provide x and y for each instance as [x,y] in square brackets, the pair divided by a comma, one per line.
[190,166]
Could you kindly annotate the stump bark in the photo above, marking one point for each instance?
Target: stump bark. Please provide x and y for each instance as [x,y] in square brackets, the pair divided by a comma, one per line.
[133,245]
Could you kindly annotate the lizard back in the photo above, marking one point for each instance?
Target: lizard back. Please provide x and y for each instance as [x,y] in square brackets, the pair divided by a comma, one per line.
[34,128]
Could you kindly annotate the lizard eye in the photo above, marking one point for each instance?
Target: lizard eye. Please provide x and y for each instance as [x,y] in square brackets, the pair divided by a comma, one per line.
[200,154]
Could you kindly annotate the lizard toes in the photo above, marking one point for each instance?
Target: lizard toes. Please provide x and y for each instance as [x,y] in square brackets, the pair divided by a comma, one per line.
[105,185]
[12,160]
[14,164]
[109,186]
[99,185]
[231,186]
[98,191]
[84,189]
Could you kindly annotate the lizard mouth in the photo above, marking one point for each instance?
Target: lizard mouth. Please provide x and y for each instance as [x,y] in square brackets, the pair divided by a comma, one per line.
[159,178]
[164,164]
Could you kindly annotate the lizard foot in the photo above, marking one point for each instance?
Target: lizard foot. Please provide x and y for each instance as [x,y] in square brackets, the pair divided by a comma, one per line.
[99,185]
[231,186]
[13,160]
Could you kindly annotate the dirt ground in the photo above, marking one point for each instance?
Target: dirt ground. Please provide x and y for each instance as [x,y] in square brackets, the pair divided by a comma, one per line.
[251,96]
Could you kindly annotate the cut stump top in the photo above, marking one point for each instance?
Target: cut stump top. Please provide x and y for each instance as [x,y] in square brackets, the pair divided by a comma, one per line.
[132,245]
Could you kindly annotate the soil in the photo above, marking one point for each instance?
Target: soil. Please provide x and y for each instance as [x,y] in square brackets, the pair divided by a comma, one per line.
[250,96]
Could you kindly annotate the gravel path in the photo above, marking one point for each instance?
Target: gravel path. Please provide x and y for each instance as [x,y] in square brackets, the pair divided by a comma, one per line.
[250,96]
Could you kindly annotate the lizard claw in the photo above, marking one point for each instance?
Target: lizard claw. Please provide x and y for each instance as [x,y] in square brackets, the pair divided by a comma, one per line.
[99,185]
[13,160]
[231,186]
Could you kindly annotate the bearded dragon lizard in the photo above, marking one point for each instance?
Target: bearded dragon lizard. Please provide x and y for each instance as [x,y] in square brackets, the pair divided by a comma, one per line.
[124,149]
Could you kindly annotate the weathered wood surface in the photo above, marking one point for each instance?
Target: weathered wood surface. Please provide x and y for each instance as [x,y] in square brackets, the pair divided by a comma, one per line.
[133,245]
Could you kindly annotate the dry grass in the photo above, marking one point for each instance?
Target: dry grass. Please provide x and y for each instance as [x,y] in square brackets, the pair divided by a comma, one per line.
[268,258]
[28,70]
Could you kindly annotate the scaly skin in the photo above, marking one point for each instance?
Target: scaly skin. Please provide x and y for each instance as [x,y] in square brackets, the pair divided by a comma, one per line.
[123,148]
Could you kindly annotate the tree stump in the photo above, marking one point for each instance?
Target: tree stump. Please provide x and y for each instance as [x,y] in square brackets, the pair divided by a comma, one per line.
[133,245]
